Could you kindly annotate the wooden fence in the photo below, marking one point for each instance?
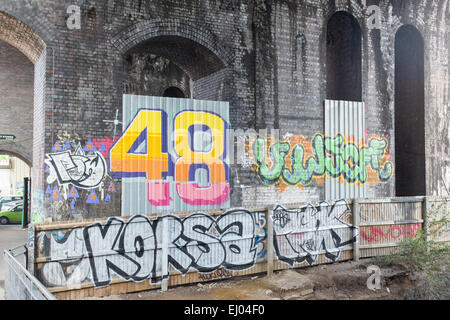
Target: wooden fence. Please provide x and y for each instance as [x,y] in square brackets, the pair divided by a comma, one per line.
[115,255]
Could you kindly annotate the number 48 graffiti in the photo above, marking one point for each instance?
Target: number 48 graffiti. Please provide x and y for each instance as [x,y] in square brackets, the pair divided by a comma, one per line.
[144,151]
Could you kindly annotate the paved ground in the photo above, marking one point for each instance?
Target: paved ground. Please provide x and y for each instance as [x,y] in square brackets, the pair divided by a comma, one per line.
[10,236]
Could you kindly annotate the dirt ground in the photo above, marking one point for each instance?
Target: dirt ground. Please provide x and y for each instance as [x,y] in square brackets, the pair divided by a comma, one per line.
[339,281]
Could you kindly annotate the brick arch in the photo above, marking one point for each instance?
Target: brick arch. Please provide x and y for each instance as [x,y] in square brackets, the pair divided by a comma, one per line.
[174,32]
[23,39]
[410,111]
[19,35]
[177,84]
[344,81]
[406,18]
[16,32]
[353,7]
[17,154]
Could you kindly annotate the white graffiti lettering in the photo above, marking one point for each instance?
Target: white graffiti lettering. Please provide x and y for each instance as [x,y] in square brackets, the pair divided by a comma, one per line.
[80,169]
[304,233]
[133,250]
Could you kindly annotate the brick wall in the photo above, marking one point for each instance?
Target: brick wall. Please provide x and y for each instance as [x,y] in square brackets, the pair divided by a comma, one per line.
[266,58]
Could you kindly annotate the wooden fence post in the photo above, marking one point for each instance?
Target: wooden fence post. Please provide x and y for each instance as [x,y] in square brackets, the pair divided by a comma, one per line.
[356,216]
[425,218]
[269,242]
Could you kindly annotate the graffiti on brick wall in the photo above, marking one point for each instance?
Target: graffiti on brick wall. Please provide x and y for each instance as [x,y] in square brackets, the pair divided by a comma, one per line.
[81,169]
[73,171]
[377,234]
[302,234]
[132,250]
[296,161]
[179,156]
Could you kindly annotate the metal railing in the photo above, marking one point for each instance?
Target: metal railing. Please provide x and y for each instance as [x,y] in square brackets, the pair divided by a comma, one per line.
[20,284]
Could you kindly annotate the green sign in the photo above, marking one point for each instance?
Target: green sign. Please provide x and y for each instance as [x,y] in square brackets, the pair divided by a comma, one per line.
[7,137]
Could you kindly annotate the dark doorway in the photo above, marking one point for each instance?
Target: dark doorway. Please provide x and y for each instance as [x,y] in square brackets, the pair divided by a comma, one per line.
[173,92]
[409,112]
[344,58]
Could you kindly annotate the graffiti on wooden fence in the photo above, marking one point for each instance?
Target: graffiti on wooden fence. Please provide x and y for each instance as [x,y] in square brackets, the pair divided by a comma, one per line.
[132,250]
[376,234]
[302,234]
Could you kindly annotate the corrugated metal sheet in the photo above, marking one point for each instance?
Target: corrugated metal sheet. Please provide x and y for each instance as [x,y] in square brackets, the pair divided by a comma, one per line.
[305,233]
[386,223]
[183,162]
[346,118]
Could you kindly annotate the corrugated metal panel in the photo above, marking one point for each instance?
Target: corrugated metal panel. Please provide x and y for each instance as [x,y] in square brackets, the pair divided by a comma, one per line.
[384,225]
[346,118]
[306,233]
[165,180]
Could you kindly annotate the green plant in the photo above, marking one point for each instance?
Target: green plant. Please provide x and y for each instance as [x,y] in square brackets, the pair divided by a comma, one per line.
[425,254]
[260,10]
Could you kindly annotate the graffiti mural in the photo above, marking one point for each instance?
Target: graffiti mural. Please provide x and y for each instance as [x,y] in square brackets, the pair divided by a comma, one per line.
[379,234]
[77,168]
[78,174]
[302,234]
[296,161]
[172,157]
[132,250]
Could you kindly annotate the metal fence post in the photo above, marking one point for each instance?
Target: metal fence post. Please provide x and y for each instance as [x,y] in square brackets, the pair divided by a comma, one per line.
[269,242]
[165,256]
[355,217]
[25,210]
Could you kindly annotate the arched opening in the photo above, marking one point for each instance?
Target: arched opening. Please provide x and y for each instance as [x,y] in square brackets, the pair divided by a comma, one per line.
[22,71]
[409,112]
[149,75]
[22,87]
[168,62]
[13,170]
[16,103]
[18,156]
[344,58]
[173,92]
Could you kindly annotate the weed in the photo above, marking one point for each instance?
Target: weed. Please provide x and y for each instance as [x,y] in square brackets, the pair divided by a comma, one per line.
[426,254]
